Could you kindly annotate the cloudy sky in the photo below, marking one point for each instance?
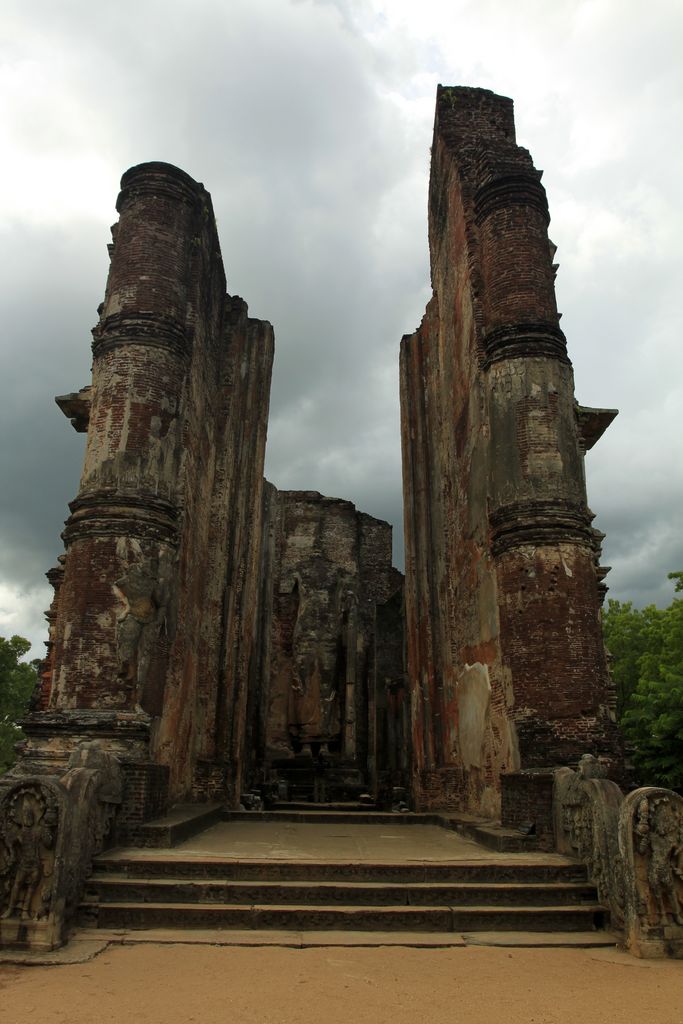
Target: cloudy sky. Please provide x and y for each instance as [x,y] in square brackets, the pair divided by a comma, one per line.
[310,123]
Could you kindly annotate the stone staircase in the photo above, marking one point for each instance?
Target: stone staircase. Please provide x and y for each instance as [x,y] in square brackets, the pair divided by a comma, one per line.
[148,892]
[501,890]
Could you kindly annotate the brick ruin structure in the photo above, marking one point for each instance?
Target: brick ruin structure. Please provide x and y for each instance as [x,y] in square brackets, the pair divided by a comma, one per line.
[215,641]
[505,656]
[208,630]
[217,636]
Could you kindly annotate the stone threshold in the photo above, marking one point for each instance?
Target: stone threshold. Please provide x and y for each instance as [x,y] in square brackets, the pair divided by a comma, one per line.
[82,947]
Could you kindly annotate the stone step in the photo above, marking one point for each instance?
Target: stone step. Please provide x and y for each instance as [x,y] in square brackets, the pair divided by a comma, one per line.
[180,823]
[329,938]
[346,807]
[361,918]
[112,888]
[318,814]
[303,812]
[150,865]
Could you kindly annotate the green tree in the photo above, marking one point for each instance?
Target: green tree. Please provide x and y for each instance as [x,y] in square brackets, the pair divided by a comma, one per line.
[17,681]
[629,634]
[647,651]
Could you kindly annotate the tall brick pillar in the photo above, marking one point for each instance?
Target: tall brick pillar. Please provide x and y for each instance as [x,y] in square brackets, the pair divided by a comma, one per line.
[115,610]
[542,541]
[505,654]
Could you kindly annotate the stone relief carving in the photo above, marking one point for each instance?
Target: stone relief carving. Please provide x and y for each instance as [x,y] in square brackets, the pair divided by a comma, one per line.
[106,789]
[144,592]
[633,849]
[50,829]
[659,840]
[651,844]
[586,826]
[31,818]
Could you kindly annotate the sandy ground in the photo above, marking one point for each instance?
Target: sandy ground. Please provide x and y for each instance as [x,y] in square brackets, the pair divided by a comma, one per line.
[179,984]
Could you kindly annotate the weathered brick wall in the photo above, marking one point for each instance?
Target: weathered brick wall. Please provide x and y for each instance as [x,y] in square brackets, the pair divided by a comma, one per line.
[527,800]
[243,627]
[505,656]
[145,794]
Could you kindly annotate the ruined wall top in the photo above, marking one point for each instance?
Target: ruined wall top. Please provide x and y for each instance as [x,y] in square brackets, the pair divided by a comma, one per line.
[474,132]
[158,178]
[463,114]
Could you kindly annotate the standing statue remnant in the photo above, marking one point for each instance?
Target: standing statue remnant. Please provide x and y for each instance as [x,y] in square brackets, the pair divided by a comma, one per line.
[330,652]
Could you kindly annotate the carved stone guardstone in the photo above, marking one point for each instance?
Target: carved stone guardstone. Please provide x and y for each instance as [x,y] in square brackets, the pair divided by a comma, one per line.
[586,811]
[32,836]
[50,829]
[651,846]
[633,849]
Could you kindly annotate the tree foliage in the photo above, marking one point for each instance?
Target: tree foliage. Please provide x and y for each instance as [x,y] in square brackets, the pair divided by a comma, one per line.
[647,665]
[17,681]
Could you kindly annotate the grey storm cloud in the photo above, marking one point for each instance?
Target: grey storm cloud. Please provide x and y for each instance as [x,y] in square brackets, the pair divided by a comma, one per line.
[310,124]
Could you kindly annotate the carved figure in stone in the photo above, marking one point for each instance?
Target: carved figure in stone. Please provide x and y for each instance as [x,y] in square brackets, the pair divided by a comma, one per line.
[108,789]
[31,832]
[577,813]
[144,593]
[658,833]
[576,818]
[589,767]
[314,703]
[6,865]
[587,811]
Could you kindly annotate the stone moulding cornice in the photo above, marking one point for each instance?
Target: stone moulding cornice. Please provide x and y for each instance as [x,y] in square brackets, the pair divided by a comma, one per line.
[157,179]
[122,724]
[106,514]
[521,188]
[539,524]
[55,575]
[521,340]
[154,330]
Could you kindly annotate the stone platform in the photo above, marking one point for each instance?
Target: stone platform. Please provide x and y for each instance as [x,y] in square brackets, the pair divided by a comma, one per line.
[335,836]
[331,881]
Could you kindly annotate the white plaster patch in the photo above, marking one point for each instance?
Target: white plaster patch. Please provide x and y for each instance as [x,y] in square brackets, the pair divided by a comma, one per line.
[301,541]
[515,759]
[474,692]
[488,604]
[128,548]
[489,805]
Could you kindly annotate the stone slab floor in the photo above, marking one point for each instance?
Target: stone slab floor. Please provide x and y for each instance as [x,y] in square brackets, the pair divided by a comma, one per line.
[260,840]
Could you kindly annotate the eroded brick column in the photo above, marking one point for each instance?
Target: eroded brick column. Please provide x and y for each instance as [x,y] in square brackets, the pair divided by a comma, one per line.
[121,535]
[541,534]
[114,616]
[505,656]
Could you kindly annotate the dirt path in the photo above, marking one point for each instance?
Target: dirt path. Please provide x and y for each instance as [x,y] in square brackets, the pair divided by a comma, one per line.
[184,984]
